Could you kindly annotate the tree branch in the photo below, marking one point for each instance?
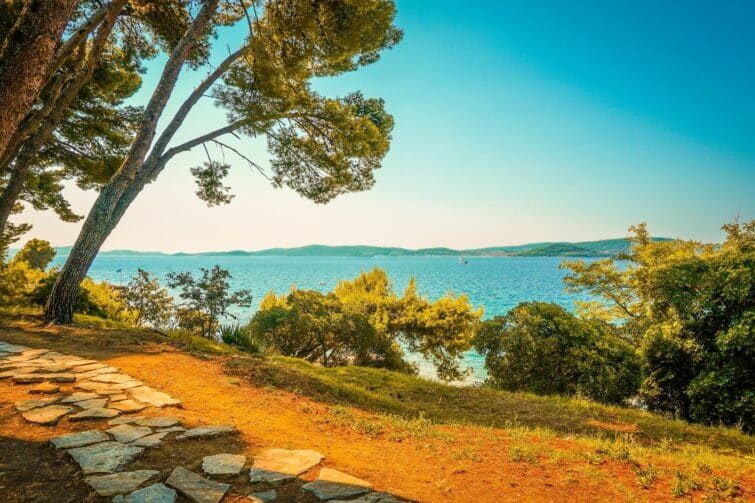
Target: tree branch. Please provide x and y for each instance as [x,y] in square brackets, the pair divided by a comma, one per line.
[188,104]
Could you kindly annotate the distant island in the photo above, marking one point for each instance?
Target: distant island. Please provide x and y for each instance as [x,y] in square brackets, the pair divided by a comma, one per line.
[603,248]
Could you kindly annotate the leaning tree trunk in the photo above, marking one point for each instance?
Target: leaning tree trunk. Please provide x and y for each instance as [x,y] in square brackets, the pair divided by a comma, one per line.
[125,185]
[25,60]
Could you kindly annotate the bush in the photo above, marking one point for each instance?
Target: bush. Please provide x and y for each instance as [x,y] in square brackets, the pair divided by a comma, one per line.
[206,300]
[17,282]
[314,326]
[36,253]
[95,299]
[241,337]
[151,303]
[693,306]
[543,349]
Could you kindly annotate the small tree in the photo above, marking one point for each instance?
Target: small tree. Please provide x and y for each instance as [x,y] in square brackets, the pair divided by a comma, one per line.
[36,253]
[209,296]
[151,303]
[541,348]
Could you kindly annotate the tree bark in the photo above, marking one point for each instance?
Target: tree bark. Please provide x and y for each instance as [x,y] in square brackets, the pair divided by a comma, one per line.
[126,184]
[30,49]
[83,73]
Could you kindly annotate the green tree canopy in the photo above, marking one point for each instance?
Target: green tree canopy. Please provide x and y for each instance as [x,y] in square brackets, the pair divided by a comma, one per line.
[691,305]
[209,296]
[321,147]
[541,348]
[149,302]
[36,253]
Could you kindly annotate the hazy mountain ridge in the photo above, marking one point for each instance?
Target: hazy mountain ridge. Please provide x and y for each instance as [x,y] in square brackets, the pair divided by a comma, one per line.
[602,248]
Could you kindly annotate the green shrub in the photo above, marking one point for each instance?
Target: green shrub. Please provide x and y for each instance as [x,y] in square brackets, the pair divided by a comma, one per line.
[541,348]
[241,337]
[95,299]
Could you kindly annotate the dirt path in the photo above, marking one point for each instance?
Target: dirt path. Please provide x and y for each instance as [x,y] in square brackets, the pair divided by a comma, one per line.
[450,464]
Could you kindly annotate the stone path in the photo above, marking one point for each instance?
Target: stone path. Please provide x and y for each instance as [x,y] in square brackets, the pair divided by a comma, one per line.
[67,386]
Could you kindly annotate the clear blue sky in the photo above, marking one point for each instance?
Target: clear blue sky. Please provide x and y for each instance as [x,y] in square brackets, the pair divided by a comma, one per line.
[515,122]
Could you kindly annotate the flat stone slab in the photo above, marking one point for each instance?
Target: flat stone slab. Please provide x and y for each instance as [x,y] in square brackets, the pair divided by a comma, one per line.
[79,439]
[94,373]
[156,493]
[208,431]
[25,405]
[172,429]
[196,487]
[119,483]
[52,369]
[263,497]
[153,397]
[9,374]
[257,476]
[332,484]
[151,440]
[97,387]
[94,403]
[374,497]
[159,422]
[89,367]
[78,362]
[126,433]
[105,457]
[35,378]
[127,406]
[79,397]
[127,385]
[45,388]
[287,462]
[96,413]
[118,397]
[113,378]
[124,420]
[50,414]
[7,347]
[223,464]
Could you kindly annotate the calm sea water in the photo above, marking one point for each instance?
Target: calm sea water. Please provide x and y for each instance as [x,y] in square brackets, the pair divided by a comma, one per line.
[495,283]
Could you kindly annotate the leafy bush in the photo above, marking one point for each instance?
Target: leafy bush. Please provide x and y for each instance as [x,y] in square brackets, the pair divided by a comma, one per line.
[241,337]
[17,282]
[362,322]
[693,307]
[205,300]
[95,299]
[150,303]
[543,349]
[36,253]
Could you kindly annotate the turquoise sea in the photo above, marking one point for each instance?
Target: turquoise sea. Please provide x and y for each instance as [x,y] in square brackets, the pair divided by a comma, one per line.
[495,283]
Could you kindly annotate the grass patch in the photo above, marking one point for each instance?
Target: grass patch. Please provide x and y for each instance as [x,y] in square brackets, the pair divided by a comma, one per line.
[197,343]
[402,395]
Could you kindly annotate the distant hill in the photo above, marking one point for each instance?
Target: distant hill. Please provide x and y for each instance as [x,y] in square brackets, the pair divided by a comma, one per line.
[557,250]
[603,248]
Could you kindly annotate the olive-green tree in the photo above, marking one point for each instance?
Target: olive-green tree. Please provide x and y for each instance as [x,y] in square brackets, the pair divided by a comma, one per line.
[150,303]
[541,348]
[37,253]
[208,297]
[692,308]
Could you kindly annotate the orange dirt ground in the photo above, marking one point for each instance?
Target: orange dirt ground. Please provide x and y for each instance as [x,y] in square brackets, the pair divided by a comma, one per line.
[420,470]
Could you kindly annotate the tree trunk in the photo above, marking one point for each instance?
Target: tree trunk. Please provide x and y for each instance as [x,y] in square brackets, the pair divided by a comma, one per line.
[125,185]
[28,53]
[10,194]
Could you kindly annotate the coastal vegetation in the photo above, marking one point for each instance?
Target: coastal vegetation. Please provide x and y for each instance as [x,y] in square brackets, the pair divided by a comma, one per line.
[668,325]
[364,322]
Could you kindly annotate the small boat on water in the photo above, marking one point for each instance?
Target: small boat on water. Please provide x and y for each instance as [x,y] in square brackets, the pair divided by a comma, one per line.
[462,260]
